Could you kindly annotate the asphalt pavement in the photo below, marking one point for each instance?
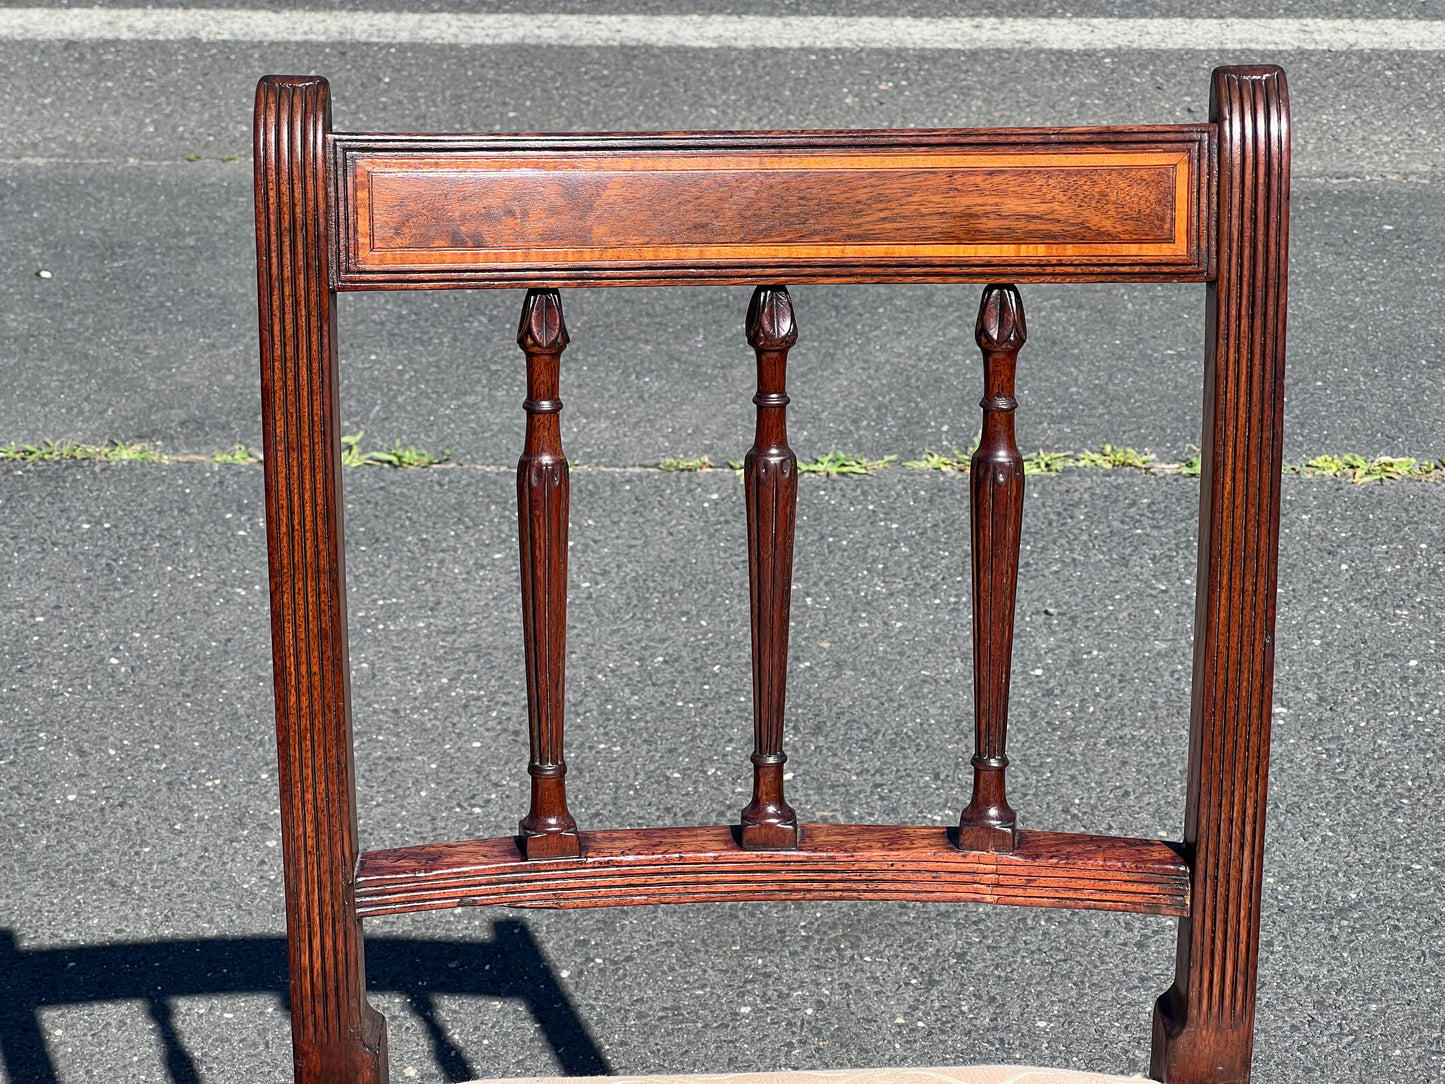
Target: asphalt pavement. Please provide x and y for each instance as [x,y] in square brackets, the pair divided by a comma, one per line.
[140,903]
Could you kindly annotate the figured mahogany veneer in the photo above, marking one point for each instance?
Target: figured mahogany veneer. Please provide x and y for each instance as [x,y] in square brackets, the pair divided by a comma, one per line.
[1182,203]
[673,208]
[625,867]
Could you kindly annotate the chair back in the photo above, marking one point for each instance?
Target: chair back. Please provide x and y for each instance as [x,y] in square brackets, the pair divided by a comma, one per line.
[1202,203]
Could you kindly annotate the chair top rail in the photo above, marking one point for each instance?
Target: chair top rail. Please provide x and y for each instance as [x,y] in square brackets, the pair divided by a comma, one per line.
[674,208]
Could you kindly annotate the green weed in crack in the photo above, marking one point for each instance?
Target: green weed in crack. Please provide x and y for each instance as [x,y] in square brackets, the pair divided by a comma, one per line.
[1351,466]
[408,457]
[938,461]
[112,451]
[1383,468]
[837,463]
[699,463]
[1109,457]
[238,454]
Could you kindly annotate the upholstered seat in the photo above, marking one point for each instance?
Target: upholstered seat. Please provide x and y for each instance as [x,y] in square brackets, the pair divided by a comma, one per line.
[966,1074]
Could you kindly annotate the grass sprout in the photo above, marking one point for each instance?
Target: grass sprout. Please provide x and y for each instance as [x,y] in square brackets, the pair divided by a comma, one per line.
[1109,457]
[407,458]
[837,463]
[112,451]
[1042,462]
[238,454]
[1383,468]
[932,460]
[698,463]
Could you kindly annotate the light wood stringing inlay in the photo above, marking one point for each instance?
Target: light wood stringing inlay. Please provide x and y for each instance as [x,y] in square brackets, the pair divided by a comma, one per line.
[511,209]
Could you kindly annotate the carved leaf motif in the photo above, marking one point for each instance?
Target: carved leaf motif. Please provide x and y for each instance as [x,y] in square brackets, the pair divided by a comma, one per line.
[542,328]
[770,319]
[1000,323]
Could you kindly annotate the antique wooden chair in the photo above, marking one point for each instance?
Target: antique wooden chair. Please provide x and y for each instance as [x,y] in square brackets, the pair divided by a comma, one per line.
[1202,203]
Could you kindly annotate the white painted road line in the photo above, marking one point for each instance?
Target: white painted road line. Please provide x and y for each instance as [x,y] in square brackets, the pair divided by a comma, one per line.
[720,31]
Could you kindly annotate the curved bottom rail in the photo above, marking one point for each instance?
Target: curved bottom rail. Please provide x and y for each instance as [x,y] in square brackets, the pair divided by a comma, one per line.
[638,866]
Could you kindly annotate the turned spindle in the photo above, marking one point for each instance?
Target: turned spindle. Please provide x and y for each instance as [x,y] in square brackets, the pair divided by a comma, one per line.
[770,479]
[548,830]
[996,502]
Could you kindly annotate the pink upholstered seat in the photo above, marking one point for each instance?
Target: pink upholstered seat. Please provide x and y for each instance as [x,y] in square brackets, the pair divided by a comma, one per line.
[968,1074]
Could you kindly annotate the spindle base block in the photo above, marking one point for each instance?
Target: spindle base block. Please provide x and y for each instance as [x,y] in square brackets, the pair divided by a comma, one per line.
[769,837]
[564,844]
[994,838]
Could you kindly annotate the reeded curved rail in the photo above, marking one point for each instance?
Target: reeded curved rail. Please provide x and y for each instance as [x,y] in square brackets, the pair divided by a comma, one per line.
[629,867]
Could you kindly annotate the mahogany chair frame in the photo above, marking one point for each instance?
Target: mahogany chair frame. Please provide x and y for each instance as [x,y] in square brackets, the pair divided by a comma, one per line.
[1179,203]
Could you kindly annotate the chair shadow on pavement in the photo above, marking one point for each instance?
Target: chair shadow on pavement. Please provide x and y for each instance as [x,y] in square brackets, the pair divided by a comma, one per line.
[511,965]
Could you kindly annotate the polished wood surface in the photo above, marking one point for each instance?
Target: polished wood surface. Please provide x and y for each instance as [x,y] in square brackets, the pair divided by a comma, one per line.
[996,512]
[335,1034]
[770,489]
[1205,202]
[1204,1024]
[628,867]
[685,207]
[543,488]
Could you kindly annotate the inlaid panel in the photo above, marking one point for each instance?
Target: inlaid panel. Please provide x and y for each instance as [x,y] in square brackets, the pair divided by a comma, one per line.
[1054,205]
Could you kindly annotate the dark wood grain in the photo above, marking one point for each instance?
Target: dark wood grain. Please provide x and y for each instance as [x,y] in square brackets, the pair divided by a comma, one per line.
[548,830]
[335,1034]
[1206,203]
[672,208]
[996,509]
[1204,1024]
[770,481]
[831,862]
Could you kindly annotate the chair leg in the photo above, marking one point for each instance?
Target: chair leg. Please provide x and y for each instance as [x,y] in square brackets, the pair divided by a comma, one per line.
[336,1035]
[1204,1024]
